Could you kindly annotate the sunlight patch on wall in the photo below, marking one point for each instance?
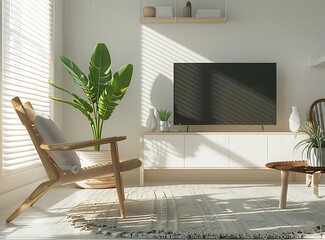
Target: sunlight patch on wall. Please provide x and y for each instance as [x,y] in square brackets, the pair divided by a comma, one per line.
[158,54]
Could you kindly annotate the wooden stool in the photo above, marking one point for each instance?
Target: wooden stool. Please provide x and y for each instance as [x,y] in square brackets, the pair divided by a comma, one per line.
[295,166]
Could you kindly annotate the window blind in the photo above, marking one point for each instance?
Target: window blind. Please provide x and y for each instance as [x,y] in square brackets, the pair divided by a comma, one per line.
[26,68]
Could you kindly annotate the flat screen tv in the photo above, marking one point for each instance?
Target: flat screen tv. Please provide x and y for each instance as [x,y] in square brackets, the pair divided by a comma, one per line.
[225,94]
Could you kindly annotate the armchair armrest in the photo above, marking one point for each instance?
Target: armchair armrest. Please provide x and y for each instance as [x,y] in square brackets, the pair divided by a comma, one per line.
[82,144]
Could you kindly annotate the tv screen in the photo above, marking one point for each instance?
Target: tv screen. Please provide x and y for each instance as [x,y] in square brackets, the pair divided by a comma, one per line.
[224,93]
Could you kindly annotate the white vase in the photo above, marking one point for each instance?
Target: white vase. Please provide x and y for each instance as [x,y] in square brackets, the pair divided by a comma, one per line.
[317,157]
[151,121]
[294,119]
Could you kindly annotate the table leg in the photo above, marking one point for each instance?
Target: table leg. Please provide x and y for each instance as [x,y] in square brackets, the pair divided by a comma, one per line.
[284,189]
[316,177]
[308,179]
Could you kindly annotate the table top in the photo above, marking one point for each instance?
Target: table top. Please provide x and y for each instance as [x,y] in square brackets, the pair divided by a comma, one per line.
[295,166]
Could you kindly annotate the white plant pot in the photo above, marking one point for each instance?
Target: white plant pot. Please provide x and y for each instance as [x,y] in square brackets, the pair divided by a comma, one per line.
[317,157]
[164,126]
[92,157]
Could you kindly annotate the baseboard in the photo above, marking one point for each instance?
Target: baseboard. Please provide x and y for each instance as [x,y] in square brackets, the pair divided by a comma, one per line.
[234,176]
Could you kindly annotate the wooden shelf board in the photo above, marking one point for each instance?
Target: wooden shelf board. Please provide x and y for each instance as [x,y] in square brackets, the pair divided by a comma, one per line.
[319,62]
[148,20]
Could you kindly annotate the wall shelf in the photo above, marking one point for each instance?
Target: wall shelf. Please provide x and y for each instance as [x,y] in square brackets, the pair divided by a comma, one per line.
[176,14]
[150,20]
[319,62]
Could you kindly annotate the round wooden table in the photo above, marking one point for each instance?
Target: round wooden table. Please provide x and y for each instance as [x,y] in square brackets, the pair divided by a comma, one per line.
[295,166]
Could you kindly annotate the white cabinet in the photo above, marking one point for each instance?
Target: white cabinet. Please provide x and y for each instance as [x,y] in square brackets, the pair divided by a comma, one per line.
[163,151]
[218,150]
[189,151]
[206,151]
[247,151]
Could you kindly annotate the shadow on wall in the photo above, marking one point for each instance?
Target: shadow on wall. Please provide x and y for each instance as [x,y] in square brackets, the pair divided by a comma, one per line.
[158,54]
[160,92]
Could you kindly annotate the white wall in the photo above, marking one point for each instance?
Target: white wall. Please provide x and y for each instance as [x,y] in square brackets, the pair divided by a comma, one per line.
[289,32]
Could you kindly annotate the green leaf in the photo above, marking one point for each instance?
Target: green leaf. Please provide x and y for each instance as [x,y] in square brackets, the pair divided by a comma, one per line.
[114,91]
[82,105]
[79,77]
[99,70]
[122,78]
[163,115]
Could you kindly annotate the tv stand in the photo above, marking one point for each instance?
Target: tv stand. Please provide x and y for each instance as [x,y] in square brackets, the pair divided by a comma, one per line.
[215,150]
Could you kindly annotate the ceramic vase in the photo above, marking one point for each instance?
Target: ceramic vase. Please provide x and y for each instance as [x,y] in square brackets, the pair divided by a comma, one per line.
[294,119]
[317,157]
[151,121]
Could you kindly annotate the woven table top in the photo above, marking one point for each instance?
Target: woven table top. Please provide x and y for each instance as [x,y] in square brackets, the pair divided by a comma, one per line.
[295,166]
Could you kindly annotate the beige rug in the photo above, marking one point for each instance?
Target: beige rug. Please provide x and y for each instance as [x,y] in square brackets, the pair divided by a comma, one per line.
[201,212]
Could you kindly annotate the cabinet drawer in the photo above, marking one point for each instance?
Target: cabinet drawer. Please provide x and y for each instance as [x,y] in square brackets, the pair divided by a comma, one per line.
[203,151]
[162,151]
[247,151]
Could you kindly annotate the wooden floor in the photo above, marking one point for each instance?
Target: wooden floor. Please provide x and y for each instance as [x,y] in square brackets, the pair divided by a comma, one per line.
[47,218]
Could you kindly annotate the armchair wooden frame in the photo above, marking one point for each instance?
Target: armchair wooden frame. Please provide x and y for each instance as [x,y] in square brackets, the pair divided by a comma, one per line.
[316,115]
[57,177]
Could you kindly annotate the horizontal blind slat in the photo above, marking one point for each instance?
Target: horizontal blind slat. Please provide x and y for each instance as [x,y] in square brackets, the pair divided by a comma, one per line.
[28,22]
[27,67]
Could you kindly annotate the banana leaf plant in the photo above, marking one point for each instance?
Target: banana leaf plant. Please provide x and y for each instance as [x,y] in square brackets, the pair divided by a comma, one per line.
[101,88]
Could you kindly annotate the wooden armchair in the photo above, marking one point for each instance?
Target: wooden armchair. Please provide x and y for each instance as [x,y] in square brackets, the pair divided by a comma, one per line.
[316,115]
[57,176]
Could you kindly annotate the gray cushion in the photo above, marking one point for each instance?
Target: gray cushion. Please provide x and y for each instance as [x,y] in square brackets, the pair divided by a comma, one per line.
[67,161]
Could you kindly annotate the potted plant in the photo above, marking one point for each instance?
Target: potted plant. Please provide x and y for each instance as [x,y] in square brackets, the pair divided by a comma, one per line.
[313,145]
[102,93]
[102,89]
[164,115]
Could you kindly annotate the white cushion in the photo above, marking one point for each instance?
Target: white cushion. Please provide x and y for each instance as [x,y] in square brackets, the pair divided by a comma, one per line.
[67,161]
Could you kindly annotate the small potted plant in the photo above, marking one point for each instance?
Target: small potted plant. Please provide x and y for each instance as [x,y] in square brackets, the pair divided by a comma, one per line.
[313,145]
[164,115]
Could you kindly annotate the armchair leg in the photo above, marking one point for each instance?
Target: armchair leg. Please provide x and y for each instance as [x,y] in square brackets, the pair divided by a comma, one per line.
[118,178]
[33,198]
[121,196]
